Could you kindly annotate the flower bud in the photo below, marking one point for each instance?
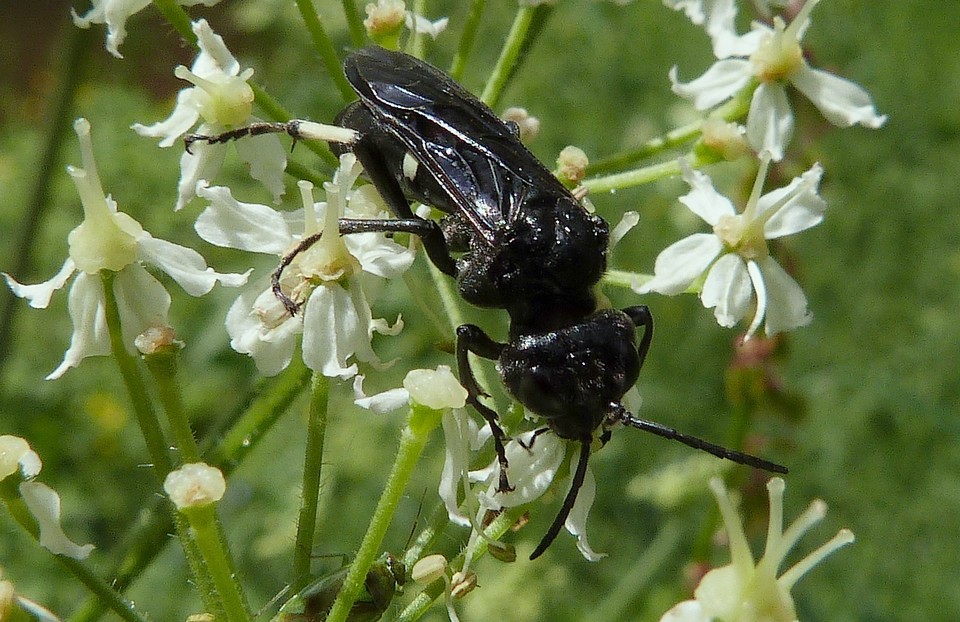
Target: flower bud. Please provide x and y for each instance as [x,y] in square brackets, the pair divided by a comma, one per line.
[437,389]
[429,569]
[194,485]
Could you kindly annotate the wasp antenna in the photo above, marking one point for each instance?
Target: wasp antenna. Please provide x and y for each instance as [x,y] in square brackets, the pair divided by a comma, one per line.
[568,502]
[697,443]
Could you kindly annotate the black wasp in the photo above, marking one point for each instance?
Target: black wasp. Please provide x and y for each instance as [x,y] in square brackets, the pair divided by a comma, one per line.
[525,245]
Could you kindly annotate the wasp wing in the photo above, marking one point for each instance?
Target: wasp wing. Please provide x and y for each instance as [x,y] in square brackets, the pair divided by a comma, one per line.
[477,160]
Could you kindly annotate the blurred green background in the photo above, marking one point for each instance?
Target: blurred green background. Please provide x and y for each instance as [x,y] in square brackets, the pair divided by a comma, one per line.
[865,412]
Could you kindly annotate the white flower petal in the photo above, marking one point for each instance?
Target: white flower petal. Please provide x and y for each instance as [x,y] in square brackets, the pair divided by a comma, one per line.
[185,265]
[267,159]
[383,403]
[681,263]
[251,227]
[113,13]
[16,455]
[842,102]
[39,295]
[458,432]
[271,345]
[686,611]
[786,302]
[576,522]
[719,83]
[379,255]
[183,117]
[801,211]
[203,163]
[333,331]
[214,55]
[142,300]
[531,470]
[770,120]
[90,336]
[727,288]
[703,199]
[44,503]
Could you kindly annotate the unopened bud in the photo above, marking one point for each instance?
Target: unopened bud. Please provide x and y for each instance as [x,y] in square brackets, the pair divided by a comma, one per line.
[193,485]
[572,165]
[429,569]
[462,583]
[528,125]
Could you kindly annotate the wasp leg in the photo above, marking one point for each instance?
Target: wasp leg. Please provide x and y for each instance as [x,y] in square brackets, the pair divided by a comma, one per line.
[471,338]
[370,153]
[297,129]
[641,317]
[347,226]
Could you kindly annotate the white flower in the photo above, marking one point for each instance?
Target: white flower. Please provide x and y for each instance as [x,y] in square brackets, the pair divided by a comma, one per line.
[535,461]
[731,264]
[111,240]
[44,503]
[222,98]
[386,16]
[748,591]
[332,280]
[114,13]
[16,455]
[770,58]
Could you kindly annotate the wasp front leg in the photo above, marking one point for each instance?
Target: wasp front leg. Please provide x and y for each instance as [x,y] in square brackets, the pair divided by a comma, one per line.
[471,338]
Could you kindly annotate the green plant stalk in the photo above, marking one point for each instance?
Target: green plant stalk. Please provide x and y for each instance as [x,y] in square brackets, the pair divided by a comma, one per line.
[310,492]
[636,177]
[110,598]
[358,32]
[733,110]
[417,43]
[204,528]
[324,46]
[467,38]
[508,56]
[163,368]
[413,439]
[150,429]
[178,18]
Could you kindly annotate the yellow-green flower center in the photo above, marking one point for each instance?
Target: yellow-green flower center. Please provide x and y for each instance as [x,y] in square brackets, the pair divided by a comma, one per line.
[221,99]
[778,56]
[742,237]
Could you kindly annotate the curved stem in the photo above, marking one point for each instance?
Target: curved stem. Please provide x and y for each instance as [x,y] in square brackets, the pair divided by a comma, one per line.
[412,441]
[636,177]
[207,536]
[323,45]
[163,369]
[467,36]
[508,56]
[178,18]
[312,463]
[358,33]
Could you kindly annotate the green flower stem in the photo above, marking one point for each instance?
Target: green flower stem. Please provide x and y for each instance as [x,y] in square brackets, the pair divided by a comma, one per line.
[204,528]
[358,32]
[512,48]
[178,18]
[163,368]
[136,389]
[636,177]
[105,594]
[426,599]
[732,110]
[413,439]
[417,43]
[325,48]
[654,146]
[274,110]
[149,427]
[313,461]
[467,37]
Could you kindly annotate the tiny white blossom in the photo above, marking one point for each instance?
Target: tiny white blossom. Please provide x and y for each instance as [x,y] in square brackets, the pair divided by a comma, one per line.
[111,240]
[733,263]
[222,99]
[385,17]
[114,13]
[748,591]
[44,503]
[195,484]
[16,455]
[332,280]
[769,58]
